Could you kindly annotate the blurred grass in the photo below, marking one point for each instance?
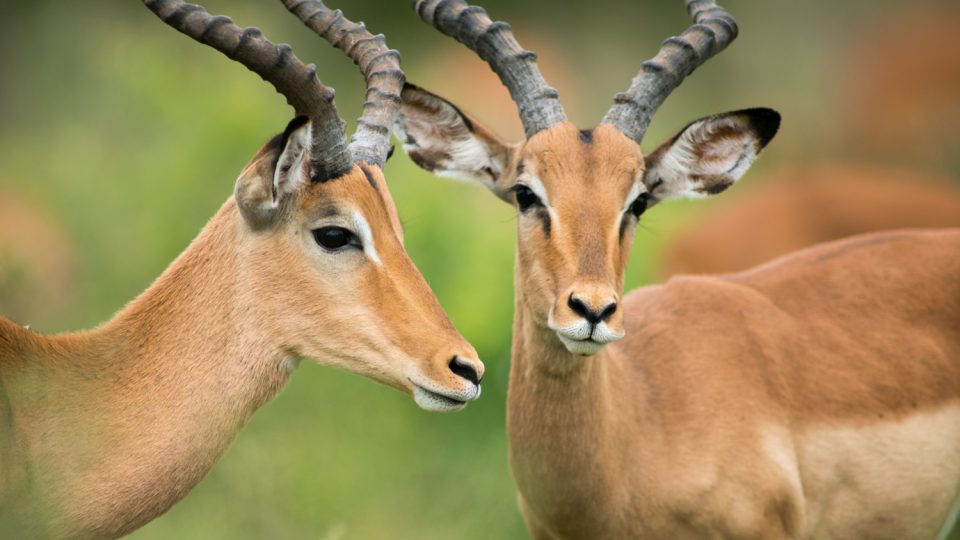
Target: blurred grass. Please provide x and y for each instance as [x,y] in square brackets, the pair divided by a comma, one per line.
[131,135]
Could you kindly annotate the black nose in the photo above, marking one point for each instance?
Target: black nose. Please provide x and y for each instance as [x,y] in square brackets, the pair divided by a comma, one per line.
[593,317]
[465,370]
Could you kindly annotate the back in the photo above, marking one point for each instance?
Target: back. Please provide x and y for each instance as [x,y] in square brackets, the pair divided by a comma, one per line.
[868,325]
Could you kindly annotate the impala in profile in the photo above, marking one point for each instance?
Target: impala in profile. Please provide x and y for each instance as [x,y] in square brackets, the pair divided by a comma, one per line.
[815,397]
[101,431]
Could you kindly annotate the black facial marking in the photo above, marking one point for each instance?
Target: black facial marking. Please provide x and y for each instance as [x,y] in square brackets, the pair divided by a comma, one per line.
[520,168]
[489,172]
[544,220]
[390,152]
[586,136]
[369,176]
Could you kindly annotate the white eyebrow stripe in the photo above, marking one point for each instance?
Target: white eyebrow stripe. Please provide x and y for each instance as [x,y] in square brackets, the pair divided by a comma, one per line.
[366,236]
[632,196]
[537,187]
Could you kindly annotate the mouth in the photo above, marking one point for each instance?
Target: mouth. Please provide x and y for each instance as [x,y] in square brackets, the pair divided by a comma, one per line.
[440,402]
[581,347]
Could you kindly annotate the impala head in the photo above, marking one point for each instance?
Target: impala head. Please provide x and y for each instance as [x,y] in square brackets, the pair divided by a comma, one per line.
[580,193]
[322,258]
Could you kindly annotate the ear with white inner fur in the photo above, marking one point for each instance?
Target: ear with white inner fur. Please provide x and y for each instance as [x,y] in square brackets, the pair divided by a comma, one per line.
[709,155]
[272,179]
[443,140]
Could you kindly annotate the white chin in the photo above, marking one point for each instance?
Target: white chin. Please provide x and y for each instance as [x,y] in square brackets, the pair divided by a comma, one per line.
[430,401]
[581,347]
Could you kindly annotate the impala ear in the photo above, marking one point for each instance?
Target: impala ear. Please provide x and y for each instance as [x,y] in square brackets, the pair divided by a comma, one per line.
[443,140]
[274,175]
[709,155]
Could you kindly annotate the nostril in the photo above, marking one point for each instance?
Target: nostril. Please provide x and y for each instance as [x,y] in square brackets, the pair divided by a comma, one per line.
[580,308]
[593,317]
[465,370]
[608,311]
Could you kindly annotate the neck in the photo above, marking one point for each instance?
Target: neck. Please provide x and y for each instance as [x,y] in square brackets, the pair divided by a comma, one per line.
[560,421]
[114,425]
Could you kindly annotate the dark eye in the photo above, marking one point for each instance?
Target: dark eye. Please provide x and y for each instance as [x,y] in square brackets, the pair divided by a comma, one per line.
[640,204]
[525,197]
[334,238]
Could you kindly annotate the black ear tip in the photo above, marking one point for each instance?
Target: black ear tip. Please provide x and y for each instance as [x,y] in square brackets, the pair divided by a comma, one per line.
[765,121]
[409,85]
[279,142]
[411,91]
[294,125]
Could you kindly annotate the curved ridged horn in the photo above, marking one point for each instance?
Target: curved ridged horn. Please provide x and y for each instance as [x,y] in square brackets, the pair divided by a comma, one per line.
[517,68]
[380,66]
[712,31]
[277,65]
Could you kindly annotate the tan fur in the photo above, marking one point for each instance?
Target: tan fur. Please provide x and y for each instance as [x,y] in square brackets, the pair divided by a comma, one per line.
[700,422]
[817,396]
[708,418]
[104,430]
[583,251]
[801,206]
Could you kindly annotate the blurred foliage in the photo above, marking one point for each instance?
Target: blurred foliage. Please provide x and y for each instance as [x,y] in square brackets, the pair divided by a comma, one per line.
[131,135]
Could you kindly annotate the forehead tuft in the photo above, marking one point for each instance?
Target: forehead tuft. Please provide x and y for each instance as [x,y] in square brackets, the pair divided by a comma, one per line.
[575,157]
[615,147]
[363,188]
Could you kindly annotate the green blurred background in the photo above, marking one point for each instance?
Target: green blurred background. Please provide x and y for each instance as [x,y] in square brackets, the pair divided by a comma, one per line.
[119,138]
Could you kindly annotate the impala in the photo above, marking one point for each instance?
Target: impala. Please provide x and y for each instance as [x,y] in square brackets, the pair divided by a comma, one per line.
[801,206]
[817,396]
[104,430]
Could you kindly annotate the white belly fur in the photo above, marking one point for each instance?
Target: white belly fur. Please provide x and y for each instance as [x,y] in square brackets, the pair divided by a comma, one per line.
[888,479]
